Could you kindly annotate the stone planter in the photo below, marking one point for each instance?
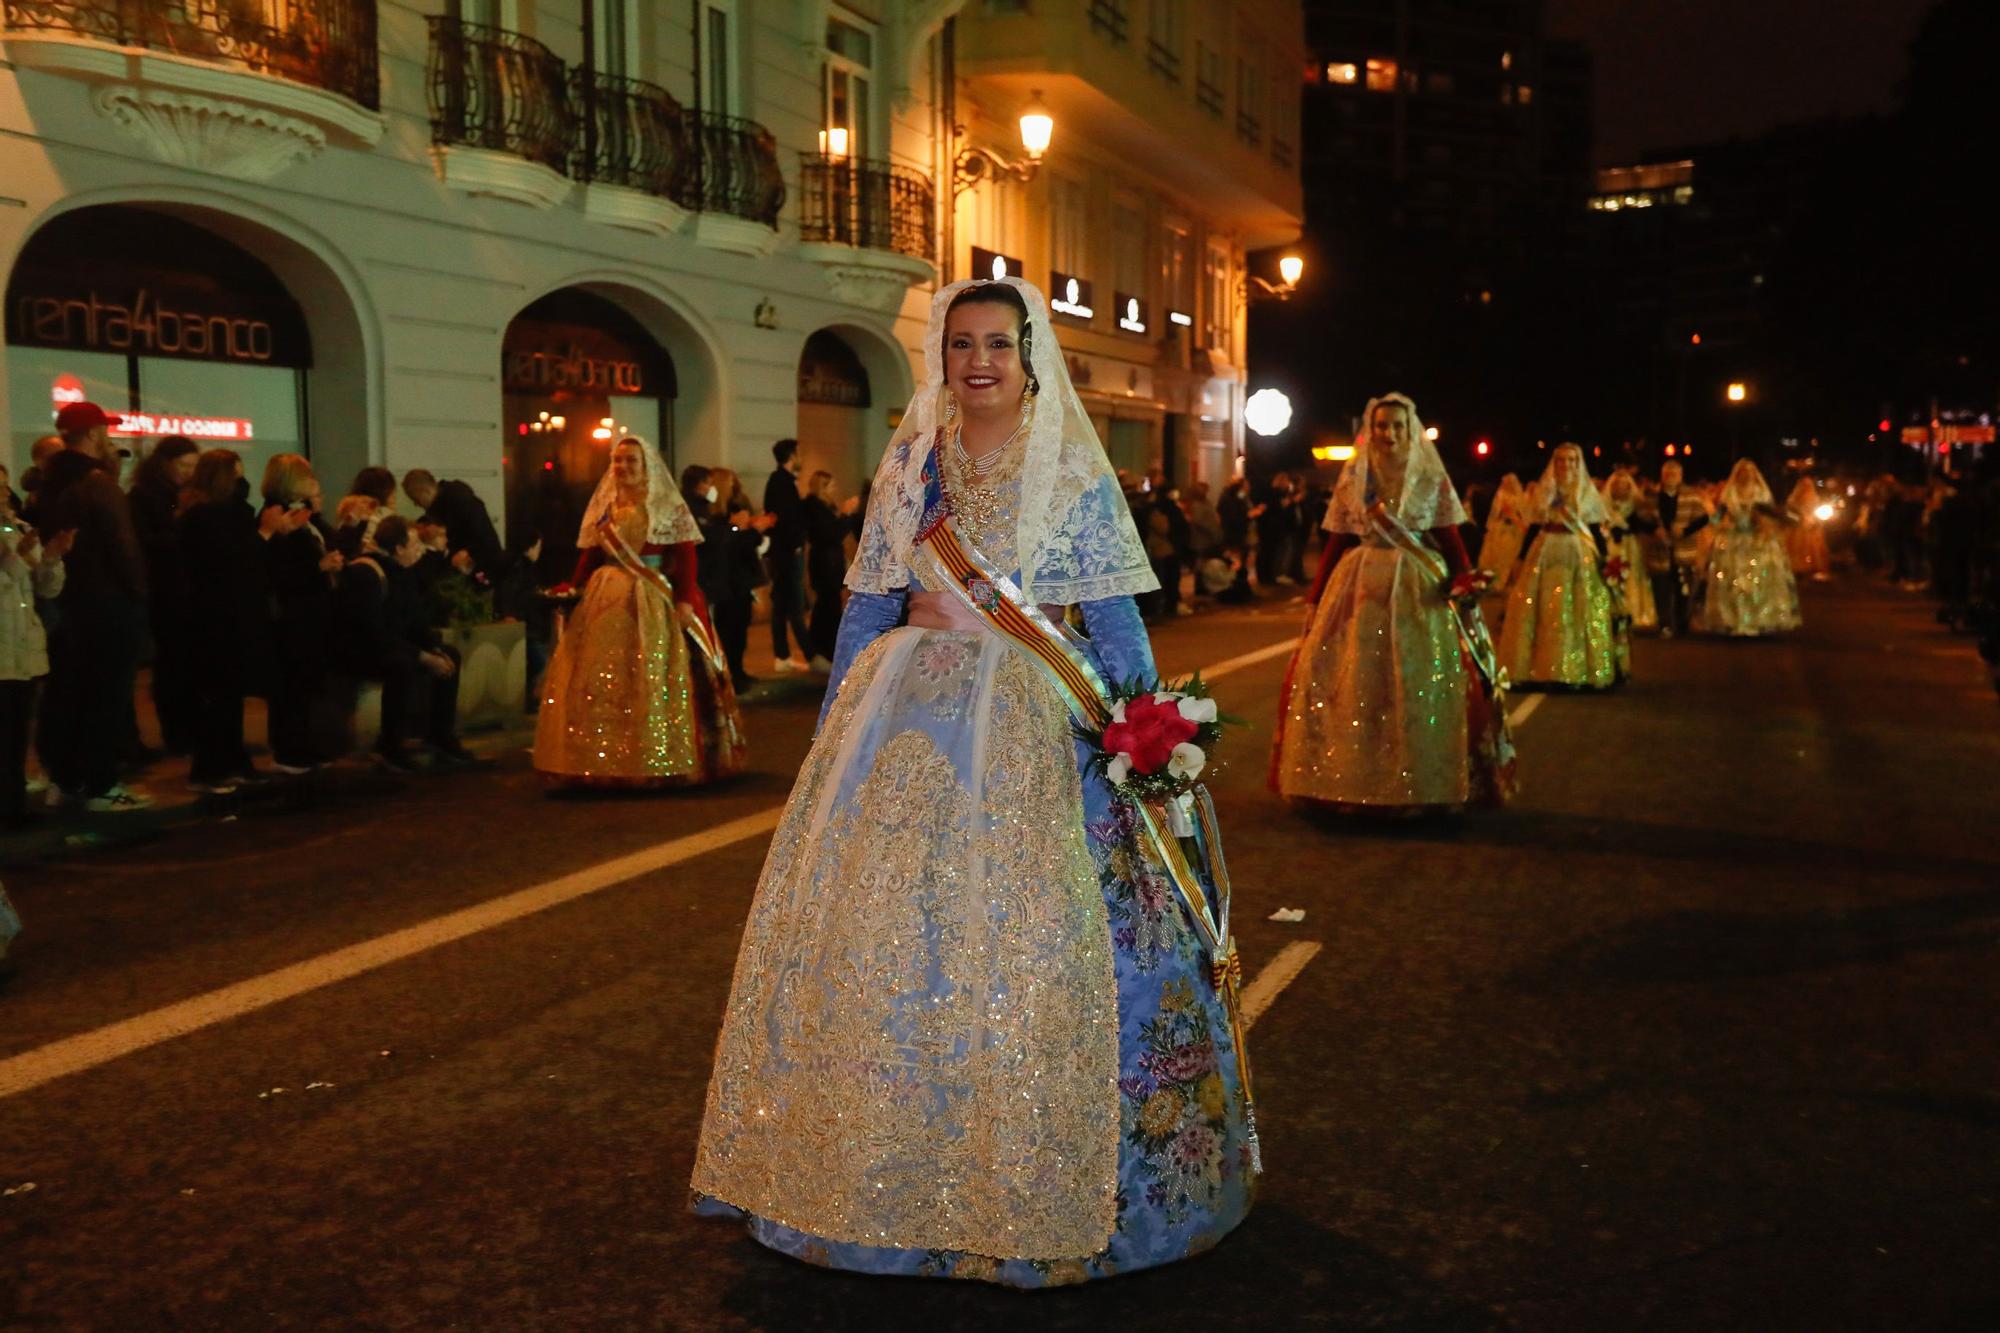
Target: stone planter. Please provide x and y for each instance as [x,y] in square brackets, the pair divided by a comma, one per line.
[493,674]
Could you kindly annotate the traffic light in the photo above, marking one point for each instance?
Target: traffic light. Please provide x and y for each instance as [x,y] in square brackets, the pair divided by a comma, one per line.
[1482,448]
[1883,425]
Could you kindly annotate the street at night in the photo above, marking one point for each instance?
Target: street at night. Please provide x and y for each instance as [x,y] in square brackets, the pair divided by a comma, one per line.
[1697,1033]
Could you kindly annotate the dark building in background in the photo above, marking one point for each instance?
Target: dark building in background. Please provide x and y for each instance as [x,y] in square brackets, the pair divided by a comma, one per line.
[1446,161]
[1693,259]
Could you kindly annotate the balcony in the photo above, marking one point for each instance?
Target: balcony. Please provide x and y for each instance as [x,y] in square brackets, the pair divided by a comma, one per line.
[241,89]
[872,225]
[501,121]
[633,152]
[734,183]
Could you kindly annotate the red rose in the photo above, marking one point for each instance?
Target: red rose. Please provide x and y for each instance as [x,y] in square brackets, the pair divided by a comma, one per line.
[1149,733]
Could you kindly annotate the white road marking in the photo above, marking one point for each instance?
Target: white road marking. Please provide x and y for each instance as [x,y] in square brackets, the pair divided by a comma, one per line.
[1264,654]
[1279,973]
[87,1050]
[1526,709]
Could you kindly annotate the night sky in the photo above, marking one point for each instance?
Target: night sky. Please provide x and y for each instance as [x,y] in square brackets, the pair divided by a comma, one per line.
[1672,72]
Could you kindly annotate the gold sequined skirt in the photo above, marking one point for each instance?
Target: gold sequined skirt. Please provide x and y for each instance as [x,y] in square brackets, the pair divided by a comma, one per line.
[920,1049]
[623,703]
[1377,710]
[1557,629]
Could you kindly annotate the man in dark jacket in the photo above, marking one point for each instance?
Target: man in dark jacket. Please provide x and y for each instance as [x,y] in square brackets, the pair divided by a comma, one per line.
[463,514]
[387,634]
[87,717]
[786,558]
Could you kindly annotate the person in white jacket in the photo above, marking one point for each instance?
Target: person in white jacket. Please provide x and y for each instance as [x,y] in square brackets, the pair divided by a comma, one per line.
[29,568]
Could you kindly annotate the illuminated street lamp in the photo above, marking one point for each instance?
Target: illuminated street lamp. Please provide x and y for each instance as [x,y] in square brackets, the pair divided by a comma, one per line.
[1290,269]
[974,164]
[1267,412]
[1738,391]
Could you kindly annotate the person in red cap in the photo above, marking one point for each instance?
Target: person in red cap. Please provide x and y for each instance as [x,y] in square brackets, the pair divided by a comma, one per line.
[86,716]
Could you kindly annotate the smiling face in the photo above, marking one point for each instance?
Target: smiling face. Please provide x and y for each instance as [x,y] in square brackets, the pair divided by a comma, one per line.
[1389,429]
[627,467]
[982,358]
[1568,465]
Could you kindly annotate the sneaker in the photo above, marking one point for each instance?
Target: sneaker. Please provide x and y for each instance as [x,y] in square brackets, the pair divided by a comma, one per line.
[293,770]
[744,683]
[786,666]
[117,801]
[823,665]
[250,776]
[219,787]
[397,760]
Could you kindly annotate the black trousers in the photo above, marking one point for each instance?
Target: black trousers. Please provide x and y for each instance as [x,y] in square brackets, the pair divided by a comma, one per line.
[1168,599]
[176,681]
[17,709]
[788,602]
[732,631]
[86,710]
[825,616]
[296,678]
[407,686]
[1670,597]
[218,731]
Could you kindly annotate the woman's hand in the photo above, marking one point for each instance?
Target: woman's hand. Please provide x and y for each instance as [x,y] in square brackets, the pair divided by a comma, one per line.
[274,520]
[438,664]
[1469,583]
[332,562]
[25,545]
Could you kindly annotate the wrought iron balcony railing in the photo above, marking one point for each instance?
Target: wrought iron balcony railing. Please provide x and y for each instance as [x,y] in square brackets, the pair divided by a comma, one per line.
[494,89]
[633,133]
[1109,20]
[326,44]
[876,205]
[733,169]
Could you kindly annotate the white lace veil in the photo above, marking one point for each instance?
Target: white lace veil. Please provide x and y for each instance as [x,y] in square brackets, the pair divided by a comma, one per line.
[1076,540]
[1424,500]
[1617,508]
[667,518]
[1746,487]
[1581,497]
[1804,498]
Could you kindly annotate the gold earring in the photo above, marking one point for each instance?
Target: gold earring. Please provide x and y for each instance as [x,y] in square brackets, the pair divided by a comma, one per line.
[950,407]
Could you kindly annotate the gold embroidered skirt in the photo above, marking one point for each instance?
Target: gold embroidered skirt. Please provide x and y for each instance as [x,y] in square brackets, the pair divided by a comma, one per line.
[1639,603]
[1377,712]
[623,702]
[921,1044]
[1557,630]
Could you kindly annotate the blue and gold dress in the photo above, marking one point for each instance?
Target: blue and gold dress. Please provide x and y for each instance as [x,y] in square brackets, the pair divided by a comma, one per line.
[971,1033]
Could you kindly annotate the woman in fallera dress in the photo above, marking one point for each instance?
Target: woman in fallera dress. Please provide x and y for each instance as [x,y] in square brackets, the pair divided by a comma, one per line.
[1558,629]
[637,695]
[971,1032]
[1805,542]
[1621,501]
[1747,584]
[1383,708]
[1505,524]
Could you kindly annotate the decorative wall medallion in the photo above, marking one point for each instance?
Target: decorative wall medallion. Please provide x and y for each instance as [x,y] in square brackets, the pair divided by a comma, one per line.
[215,134]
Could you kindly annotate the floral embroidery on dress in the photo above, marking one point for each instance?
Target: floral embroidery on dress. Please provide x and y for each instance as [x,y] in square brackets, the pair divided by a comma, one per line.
[1176,1106]
[1140,899]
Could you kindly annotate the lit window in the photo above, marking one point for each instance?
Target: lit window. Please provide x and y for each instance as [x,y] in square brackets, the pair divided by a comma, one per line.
[1381,76]
[1506,60]
[1525,95]
[1343,72]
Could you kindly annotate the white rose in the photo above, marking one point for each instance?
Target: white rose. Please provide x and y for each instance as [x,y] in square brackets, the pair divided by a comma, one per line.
[1198,710]
[1118,769]
[1165,696]
[1118,711]
[1187,761]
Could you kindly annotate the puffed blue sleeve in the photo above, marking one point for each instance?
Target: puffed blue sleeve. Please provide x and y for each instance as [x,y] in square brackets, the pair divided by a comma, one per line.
[1118,638]
[867,617]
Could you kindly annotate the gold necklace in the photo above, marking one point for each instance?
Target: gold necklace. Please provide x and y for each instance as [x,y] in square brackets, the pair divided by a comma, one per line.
[974,484]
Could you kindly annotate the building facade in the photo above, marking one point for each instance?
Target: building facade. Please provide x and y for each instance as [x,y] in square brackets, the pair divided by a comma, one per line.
[487,237]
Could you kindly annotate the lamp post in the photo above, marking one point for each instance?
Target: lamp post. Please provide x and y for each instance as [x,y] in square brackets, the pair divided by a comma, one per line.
[974,164]
[1253,288]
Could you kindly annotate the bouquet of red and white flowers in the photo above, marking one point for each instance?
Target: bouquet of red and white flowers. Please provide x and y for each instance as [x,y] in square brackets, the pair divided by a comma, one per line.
[1159,738]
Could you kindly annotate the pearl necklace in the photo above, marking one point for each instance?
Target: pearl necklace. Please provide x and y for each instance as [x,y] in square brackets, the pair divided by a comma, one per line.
[974,483]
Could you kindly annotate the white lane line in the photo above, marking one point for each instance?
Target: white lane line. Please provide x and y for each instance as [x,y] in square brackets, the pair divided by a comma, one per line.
[87,1050]
[1526,710]
[1279,973]
[1265,654]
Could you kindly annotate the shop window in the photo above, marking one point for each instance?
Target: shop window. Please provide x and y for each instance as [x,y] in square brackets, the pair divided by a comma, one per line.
[185,334]
[1381,76]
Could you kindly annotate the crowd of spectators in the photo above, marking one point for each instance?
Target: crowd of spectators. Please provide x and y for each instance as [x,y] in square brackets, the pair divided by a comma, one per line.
[228,593]
[1210,548]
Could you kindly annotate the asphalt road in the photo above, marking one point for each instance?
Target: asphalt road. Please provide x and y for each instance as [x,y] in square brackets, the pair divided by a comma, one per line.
[1700,1034]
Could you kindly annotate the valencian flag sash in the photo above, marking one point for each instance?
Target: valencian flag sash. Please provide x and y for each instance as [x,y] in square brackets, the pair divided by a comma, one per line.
[999,603]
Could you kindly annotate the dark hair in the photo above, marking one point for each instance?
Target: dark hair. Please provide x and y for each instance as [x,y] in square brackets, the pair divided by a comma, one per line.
[391,533]
[214,480]
[783,451]
[152,471]
[1001,293]
[694,480]
[377,483]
